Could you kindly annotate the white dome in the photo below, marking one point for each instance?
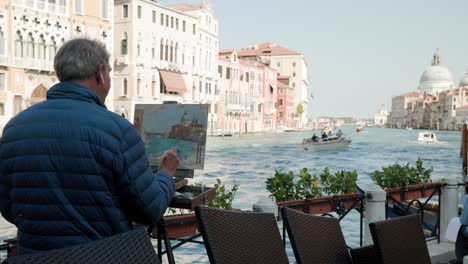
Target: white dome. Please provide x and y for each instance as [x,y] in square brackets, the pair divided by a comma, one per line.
[435,78]
[464,80]
[436,73]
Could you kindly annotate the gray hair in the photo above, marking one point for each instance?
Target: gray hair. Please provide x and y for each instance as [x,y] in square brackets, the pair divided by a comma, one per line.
[79,58]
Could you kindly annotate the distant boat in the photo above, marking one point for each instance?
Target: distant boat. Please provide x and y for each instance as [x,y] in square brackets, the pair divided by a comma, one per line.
[328,143]
[409,128]
[359,128]
[427,137]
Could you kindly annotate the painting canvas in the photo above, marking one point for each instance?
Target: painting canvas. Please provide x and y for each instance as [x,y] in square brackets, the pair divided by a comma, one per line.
[183,126]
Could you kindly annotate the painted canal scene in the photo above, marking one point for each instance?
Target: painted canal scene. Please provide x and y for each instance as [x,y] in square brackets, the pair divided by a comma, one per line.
[179,126]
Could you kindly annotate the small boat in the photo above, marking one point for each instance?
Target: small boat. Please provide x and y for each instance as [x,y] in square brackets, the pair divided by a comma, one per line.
[328,143]
[409,128]
[427,137]
[359,128]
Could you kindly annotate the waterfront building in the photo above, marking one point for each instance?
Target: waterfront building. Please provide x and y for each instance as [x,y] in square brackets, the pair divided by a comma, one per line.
[437,102]
[285,110]
[230,106]
[287,63]
[165,53]
[461,115]
[251,75]
[380,118]
[31,32]
[401,108]
[242,99]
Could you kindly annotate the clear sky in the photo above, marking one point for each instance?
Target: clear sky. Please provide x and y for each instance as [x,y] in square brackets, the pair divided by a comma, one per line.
[360,53]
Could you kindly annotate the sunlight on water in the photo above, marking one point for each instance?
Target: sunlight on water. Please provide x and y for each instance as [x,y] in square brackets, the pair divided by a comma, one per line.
[250,159]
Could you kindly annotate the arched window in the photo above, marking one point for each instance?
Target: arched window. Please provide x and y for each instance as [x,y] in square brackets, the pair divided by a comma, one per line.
[175,52]
[153,86]
[42,48]
[166,51]
[124,44]
[125,83]
[138,85]
[18,45]
[2,42]
[161,50]
[171,53]
[52,48]
[30,47]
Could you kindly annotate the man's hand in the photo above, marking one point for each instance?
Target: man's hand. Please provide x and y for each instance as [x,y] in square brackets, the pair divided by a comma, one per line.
[169,162]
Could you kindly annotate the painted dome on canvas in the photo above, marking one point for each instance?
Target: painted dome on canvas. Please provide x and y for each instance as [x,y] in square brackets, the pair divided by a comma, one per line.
[435,78]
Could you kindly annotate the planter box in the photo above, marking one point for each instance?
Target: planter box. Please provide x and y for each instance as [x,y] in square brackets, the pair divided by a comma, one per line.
[200,196]
[325,204]
[179,226]
[413,192]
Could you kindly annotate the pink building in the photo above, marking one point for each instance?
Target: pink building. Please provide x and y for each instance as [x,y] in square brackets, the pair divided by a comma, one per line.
[269,105]
[285,97]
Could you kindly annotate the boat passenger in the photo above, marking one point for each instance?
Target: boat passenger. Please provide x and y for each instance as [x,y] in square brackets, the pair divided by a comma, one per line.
[339,133]
[324,135]
[314,138]
[85,176]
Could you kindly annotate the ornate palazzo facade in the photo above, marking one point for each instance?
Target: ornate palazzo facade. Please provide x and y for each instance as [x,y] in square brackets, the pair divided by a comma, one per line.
[31,32]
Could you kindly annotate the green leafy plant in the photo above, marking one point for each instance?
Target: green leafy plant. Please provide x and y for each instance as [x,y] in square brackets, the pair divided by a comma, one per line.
[341,182]
[396,175]
[308,185]
[224,196]
[281,186]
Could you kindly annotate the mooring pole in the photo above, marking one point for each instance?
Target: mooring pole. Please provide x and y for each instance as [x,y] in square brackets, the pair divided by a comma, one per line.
[464,149]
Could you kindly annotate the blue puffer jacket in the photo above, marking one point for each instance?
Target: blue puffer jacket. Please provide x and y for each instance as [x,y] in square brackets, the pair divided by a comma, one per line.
[71,171]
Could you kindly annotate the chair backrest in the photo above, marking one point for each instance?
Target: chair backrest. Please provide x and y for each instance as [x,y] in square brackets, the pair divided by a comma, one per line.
[130,247]
[400,240]
[315,239]
[240,237]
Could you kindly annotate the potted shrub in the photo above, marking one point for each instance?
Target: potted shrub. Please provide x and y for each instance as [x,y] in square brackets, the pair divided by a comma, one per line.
[404,183]
[185,223]
[306,193]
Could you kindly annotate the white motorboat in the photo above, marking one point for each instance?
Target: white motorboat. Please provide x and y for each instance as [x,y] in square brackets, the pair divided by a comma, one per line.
[329,143]
[427,137]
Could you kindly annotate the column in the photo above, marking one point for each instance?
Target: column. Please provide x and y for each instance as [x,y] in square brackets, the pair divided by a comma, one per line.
[374,208]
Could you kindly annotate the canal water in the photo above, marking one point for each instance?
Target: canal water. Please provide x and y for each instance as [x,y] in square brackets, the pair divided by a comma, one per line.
[248,160]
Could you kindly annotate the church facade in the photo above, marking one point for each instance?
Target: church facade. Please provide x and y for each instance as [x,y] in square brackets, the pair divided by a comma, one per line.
[438,102]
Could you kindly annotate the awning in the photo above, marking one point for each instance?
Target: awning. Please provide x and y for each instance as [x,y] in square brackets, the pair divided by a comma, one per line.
[173,81]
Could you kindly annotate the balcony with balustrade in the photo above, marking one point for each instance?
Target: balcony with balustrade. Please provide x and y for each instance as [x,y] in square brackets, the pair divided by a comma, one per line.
[43,6]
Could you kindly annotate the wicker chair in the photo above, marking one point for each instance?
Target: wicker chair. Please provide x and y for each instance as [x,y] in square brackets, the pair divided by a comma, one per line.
[240,237]
[318,239]
[130,247]
[400,240]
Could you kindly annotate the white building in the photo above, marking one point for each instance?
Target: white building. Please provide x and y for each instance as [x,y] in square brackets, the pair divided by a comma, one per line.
[30,35]
[164,53]
[380,118]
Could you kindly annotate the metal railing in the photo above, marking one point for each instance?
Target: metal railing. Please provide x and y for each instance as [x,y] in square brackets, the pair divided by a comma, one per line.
[342,205]
[403,203]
